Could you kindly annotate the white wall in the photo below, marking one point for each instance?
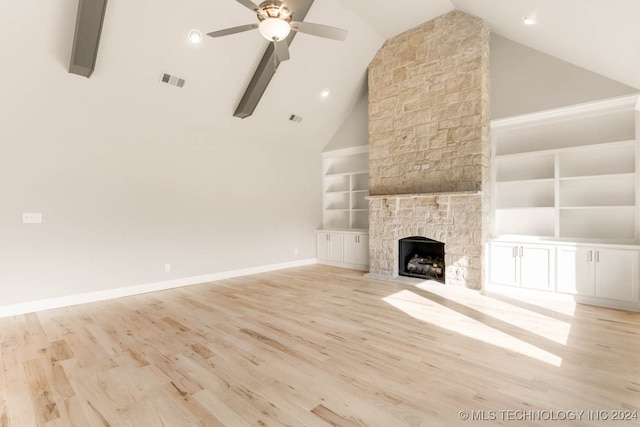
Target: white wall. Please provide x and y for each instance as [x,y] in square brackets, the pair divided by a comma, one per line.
[354,130]
[120,200]
[525,80]
[131,174]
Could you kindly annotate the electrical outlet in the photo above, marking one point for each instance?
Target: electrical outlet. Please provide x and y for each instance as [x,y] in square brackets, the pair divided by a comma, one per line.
[295,251]
[167,267]
[425,166]
[31,217]
[416,168]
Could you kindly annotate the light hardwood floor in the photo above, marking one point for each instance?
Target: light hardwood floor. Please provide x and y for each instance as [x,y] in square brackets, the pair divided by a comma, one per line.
[317,346]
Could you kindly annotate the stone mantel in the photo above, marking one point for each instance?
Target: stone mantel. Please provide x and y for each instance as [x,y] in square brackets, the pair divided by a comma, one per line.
[411,196]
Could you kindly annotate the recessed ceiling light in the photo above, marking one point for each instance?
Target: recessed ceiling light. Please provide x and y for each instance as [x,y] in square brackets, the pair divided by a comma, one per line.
[195,36]
[528,20]
[325,93]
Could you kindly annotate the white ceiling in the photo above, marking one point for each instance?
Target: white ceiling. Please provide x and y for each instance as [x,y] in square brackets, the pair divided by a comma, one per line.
[601,36]
[143,38]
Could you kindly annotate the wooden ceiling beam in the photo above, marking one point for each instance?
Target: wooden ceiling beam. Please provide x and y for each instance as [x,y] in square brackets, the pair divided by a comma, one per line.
[87,36]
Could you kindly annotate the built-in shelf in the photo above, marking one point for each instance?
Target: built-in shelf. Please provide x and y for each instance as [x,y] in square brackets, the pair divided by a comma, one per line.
[617,175]
[568,173]
[584,125]
[526,181]
[346,187]
[599,207]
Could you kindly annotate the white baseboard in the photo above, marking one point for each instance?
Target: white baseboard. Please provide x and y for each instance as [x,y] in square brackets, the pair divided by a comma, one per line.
[344,265]
[556,296]
[47,304]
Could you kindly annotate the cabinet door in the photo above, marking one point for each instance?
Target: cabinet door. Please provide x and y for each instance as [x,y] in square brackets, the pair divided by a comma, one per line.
[322,246]
[356,249]
[335,247]
[535,266]
[363,249]
[351,248]
[503,269]
[575,268]
[616,274]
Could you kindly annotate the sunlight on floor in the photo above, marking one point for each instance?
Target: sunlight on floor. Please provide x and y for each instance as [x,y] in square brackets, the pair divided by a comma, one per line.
[541,317]
[436,314]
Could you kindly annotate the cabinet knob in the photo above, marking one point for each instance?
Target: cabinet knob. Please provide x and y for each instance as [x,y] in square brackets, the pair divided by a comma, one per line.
[597,256]
[590,256]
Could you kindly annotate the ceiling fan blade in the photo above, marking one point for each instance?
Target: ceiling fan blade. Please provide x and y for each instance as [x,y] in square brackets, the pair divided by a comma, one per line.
[249,5]
[319,30]
[282,50]
[233,30]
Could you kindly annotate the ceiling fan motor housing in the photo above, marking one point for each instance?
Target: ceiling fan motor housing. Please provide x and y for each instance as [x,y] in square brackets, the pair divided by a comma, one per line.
[274,9]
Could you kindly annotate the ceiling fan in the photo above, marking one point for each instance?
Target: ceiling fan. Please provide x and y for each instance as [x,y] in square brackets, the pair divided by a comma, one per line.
[275,24]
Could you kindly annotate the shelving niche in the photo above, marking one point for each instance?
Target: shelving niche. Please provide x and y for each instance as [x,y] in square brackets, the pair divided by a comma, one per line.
[569,173]
[346,187]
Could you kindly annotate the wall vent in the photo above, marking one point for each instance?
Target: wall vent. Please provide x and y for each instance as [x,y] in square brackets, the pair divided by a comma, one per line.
[296,119]
[172,80]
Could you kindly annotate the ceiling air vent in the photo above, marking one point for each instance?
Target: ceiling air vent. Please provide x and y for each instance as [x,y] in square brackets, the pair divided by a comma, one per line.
[172,80]
[296,119]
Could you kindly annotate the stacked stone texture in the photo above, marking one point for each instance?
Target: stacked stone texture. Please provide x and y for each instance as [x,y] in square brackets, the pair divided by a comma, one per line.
[429,134]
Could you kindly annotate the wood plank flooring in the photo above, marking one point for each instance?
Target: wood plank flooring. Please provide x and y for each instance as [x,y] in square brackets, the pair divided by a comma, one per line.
[319,346]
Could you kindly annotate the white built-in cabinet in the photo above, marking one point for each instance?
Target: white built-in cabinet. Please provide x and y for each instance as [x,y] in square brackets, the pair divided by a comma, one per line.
[595,274]
[356,249]
[344,238]
[524,265]
[330,246]
[600,272]
[348,249]
[576,270]
[567,180]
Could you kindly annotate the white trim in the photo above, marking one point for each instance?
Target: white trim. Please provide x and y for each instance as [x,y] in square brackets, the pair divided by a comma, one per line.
[358,149]
[604,145]
[637,178]
[518,238]
[607,105]
[360,231]
[492,288]
[47,304]
[604,302]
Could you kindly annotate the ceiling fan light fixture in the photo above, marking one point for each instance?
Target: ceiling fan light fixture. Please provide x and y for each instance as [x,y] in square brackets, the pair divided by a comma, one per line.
[274,29]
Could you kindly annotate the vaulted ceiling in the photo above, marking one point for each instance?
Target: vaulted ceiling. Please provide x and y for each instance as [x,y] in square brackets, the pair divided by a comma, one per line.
[143,38]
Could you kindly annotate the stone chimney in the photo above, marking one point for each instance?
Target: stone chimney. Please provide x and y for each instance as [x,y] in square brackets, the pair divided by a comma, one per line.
[429,146]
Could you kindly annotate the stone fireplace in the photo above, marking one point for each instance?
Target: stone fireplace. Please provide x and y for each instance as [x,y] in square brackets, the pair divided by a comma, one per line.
[429,147]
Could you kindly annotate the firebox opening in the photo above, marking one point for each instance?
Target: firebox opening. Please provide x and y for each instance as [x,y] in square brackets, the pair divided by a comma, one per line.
[421,257]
